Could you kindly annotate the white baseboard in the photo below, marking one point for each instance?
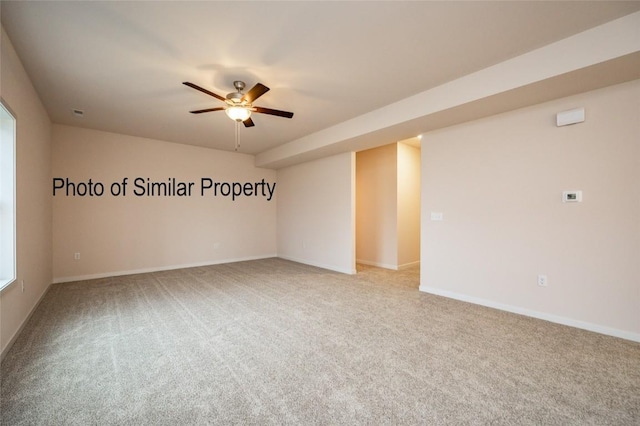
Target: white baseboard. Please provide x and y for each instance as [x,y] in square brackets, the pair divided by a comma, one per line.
[319,265]
[377,264]
[5,351]
[58,280]
[409,265]
[388,266]
[535,314]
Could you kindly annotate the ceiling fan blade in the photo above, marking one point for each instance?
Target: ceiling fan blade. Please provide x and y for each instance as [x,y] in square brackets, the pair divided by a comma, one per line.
[270,111]
[194,86]
[255,92]
[200,111]
[248,122]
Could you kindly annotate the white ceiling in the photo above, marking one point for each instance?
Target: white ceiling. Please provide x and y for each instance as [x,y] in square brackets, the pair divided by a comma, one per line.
[123,62]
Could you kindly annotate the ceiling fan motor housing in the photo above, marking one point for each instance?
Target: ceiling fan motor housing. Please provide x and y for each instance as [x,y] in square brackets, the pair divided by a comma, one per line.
[235,97]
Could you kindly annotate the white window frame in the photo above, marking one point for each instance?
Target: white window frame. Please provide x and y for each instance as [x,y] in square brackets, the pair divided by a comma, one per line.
[8,124]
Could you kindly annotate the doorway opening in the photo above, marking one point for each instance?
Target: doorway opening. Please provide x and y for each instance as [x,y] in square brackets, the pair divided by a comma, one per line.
[388,207]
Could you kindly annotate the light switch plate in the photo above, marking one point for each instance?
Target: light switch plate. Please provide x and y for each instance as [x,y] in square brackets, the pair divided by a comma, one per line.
[572,116]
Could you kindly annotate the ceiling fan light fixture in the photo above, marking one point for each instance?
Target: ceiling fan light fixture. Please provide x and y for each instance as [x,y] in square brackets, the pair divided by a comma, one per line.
[238,113]
[239,106]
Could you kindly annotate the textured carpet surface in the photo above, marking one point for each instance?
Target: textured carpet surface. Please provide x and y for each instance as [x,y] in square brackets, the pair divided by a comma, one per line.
[275,342]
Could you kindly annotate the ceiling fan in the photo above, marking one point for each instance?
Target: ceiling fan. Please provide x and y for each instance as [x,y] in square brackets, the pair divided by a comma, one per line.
[239,106]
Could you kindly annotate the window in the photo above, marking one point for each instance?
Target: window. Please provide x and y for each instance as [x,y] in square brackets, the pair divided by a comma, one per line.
[7,197]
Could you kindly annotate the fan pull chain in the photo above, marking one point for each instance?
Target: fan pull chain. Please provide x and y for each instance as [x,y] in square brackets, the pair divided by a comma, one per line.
[237,135]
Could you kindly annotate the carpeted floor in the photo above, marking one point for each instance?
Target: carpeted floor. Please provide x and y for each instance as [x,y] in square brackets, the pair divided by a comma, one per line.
[275,342]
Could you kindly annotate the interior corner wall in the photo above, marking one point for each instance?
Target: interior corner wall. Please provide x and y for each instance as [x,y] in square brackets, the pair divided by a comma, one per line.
[377,206]
[499,183]
[316,219]
[129,233]
[33,199]
[408,228]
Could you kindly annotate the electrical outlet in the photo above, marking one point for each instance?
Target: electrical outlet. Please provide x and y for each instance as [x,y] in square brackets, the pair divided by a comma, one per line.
[543,281]
[216,246]
[22,283]
[76,256]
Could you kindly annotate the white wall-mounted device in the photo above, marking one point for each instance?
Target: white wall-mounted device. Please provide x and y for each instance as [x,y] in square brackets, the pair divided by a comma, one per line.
[572,196]
[571,116]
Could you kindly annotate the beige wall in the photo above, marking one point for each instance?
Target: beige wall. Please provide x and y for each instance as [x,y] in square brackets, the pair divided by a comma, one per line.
[408,205]
[388,206]
[124,234]
[377,206]
[316,213]
[499,182]
[33,209]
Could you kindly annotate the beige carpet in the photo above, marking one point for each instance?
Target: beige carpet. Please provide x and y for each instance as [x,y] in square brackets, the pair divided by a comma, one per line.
[275,342]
